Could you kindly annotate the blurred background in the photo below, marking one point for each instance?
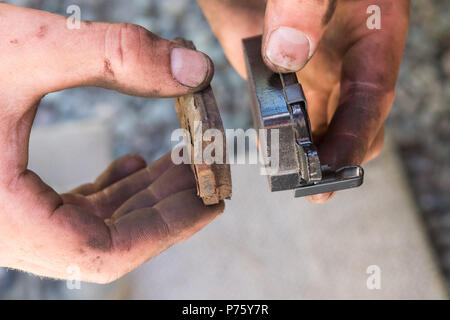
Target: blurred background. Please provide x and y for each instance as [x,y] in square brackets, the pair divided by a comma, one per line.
[315,256]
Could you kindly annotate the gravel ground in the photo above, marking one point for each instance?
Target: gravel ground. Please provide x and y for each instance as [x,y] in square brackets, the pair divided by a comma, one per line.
[419,121]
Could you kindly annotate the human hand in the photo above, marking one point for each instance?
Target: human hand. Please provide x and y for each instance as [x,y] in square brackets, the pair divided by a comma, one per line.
[131,212]
[348,71]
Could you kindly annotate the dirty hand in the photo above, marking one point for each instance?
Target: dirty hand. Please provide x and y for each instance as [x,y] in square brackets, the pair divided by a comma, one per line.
[348,71]
[131,212]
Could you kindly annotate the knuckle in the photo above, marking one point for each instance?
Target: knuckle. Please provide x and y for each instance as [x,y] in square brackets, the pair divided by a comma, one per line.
[100,201]
[152,194]
[123,45]
[368,87]
[164,229]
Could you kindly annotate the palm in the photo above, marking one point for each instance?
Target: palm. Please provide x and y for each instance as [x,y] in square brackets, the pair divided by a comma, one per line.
[127,185]
[128,215]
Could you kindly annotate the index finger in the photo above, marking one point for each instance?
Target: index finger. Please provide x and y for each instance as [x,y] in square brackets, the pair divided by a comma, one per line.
[369,75]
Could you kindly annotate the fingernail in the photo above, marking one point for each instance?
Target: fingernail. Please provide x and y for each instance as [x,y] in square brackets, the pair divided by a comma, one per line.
[189,67]
[288,48]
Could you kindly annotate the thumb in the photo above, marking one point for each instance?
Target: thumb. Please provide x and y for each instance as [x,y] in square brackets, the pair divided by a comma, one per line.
[292,31]
[45,55]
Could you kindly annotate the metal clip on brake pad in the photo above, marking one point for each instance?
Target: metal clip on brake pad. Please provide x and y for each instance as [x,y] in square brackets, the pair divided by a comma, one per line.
[278,103]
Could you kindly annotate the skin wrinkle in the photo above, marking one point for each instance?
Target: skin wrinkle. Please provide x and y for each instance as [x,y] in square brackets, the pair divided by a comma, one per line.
[107,68]
[120,51]
[359,84]
[166,230]
[151,194]
[98,200]
[127,30]
[351,135]
[77,199]
[330,12]
[120,241]
[359,71]
[372,94]
[104,196]
[112,234]
[139,46]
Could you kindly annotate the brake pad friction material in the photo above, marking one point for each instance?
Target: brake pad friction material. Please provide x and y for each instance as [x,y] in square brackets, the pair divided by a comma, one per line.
[197,113]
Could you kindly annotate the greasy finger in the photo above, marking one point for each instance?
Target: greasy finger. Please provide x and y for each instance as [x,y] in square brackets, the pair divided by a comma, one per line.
[292,31]
[174,180]
[116,171]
